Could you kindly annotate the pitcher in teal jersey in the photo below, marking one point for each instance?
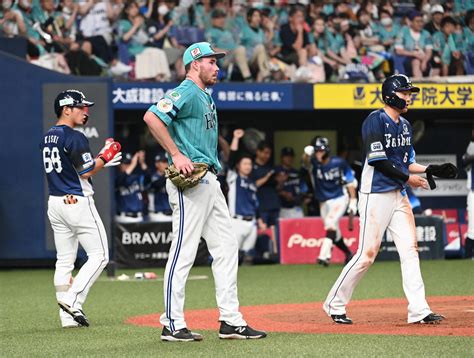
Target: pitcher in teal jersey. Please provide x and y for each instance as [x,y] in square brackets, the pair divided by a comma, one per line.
[184,122]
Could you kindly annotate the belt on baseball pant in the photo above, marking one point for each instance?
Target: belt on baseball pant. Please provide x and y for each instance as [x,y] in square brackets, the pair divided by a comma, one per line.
[245,218]
[212,169]
[132,215]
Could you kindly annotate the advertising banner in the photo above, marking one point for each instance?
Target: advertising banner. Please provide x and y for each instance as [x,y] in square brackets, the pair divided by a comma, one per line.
[147,244]
[369,96]
[430,240]
[226,95]
[301,240]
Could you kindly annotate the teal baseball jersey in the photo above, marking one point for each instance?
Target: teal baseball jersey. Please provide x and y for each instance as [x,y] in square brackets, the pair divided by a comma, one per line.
[406,39]
[191,117]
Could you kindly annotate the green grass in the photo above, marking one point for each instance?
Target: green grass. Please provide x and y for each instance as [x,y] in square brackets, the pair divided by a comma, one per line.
[29,321]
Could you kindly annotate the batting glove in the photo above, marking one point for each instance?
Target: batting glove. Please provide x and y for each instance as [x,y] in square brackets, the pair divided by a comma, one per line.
[114,161]
[352,206]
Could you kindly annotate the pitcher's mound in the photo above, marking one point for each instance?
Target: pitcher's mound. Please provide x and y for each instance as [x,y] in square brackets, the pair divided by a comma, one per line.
[377,316]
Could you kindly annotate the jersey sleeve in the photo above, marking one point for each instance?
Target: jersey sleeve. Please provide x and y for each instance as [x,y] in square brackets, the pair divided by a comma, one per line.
[77,149]
[373,138]
[168,108]
[348,173]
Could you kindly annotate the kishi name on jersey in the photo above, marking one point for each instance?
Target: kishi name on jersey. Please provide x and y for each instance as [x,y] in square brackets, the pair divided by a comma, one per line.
[51,139]
[399,141]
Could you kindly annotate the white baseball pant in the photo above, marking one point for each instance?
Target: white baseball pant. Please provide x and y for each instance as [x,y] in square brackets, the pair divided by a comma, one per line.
[201,212]
[331,211]
[245,232]
[379,212]
[75,224]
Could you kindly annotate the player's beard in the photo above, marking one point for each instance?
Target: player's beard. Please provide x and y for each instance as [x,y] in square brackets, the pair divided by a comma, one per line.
[209,80]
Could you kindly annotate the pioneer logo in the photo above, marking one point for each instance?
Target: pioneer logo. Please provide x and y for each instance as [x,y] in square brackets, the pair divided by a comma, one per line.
[299,241]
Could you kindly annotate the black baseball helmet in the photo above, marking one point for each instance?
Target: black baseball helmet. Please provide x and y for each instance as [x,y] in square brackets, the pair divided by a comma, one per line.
[321,143]
[393,84]
[70,98]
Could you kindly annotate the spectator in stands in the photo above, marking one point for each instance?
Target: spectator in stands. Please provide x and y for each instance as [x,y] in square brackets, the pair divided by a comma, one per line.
[366,29]
[150,62]
[445,52]
[203,11]
[413,48]
[223,41]
[97,17]
[268,184]
[294,39]
[468,34]
[161,208]
[370,7]
[294,189]
[11,20]
[320,45]
[253,39]
[387,30]
[437,13]
[129,185]
[68,21]
[160,29]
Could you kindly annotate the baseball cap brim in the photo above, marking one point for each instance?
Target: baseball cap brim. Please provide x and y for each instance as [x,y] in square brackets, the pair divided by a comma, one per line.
[85,104]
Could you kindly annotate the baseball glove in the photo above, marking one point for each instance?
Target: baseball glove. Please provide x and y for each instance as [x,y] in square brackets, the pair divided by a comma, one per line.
[182,181]
[446,171]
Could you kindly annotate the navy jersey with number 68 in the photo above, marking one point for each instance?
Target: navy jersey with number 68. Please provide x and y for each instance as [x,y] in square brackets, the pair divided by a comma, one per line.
[384,139]
[66,156]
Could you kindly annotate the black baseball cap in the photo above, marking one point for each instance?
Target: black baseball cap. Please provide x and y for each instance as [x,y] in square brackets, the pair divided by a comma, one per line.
[287,151]
[70,98]
[161,157]
[127,158]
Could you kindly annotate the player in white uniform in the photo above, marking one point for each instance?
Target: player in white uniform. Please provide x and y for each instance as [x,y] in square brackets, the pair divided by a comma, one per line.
[242,198]
[184,122]
[389,165]
[468,162]
[333,183]
[69,165]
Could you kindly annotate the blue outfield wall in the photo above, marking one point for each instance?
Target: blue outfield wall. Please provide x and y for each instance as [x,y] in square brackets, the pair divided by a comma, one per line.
[22,208]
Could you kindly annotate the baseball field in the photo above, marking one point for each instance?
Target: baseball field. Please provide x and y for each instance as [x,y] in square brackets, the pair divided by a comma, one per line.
[283,300]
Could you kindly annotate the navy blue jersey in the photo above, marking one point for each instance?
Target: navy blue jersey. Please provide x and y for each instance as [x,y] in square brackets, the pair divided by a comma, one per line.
[242,195]
[158,184]
[129,192]
[66,156]
[293,185]
[267,194]
[384,139]
[328,179]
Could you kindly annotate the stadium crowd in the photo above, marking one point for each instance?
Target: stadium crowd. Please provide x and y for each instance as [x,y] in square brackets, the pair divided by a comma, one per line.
[299,41]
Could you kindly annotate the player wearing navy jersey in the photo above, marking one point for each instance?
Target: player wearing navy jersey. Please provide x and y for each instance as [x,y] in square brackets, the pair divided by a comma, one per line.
[242,199]
[389,165]
[69,166]
[129,186]
[268,184]
[329,175]
[161,207]
[468,162]
[185,124]
[293,190]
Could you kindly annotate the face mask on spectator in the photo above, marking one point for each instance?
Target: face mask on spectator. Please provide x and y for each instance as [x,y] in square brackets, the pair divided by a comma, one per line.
[25,4]
[426,8]
[7,4]
[386,21]
[163,9]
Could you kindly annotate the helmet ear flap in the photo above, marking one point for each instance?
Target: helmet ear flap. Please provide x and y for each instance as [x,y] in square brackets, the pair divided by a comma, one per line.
[395,101]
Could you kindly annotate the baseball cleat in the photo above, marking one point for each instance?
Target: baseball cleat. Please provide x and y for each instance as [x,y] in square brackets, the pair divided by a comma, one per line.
[341,319]
[322,262]
[180,335]
[77,314]
[66,320]
[432,318]
[239,332]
